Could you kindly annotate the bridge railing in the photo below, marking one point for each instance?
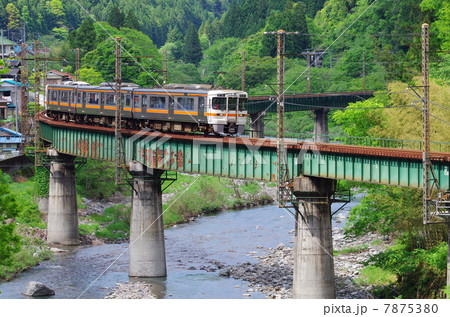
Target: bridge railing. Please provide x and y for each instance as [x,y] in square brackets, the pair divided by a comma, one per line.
[365,141]
[377,142]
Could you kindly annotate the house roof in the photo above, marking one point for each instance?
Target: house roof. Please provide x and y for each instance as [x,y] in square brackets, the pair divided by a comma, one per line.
[7,132]
[7,41]
[11,82]
[60,74]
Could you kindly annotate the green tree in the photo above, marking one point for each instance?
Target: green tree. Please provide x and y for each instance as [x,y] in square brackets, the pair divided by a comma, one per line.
[57,10]
[292,19]
[91,76]
[115,17]
[192,48]
[13,16]
[85,37]
[131,21]
[358,121]
[9,241]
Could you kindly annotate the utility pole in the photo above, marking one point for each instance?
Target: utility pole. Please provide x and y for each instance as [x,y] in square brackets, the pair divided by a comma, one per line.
[308,70]
[25,114]
[3,51]
[308,76]
[364,71]
[77,63]
[119,152]
[283,193]
[426,121]
[243,71]
[164,67]
[37,96]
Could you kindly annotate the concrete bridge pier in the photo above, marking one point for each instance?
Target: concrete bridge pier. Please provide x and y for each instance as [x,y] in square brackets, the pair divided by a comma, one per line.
[313,250]
[147,249]
[321,125]
[62,224]
[257,124]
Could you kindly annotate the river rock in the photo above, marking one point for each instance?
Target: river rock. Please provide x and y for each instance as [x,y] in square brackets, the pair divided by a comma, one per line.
[37,289]
[56,250]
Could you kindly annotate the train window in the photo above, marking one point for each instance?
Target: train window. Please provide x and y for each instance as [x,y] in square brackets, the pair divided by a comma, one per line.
[232,103]
[93,98]
[79,98]
[201,102]
[243,104]
[158,102]
[219,103]
[64,96]
[185,103]
[53,95]
[127,100]
[137,101]
[144,102]
[109,100]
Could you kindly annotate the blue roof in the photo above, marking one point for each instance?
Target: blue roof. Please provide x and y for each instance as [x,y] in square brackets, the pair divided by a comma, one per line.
[15,133]
[12,82]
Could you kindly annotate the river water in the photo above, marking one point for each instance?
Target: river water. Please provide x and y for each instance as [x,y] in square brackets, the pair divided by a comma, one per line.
[193,251]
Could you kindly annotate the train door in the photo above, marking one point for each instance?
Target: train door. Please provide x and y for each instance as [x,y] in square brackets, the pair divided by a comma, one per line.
[72,101]
[136,106]
[201,109]
[171,107]
[232,109]
[145,105]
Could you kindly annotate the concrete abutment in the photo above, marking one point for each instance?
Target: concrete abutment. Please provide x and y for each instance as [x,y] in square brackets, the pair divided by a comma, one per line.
[313,250]
[147,249]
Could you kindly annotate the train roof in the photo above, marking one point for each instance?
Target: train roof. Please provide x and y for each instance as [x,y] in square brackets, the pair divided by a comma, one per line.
[157,90]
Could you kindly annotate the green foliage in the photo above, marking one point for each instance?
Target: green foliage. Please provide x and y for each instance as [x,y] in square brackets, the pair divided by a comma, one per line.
[33,251]
[183,73]
[292,19]
[97,179]
[13,16]
[9,241]
[90,76]
[113,224]
[115,17]
[41,181]
[372,275]
[28,211]
[133,45]
[84,38]
[131,21]
[357,121]
[420,273]
[353,249]
[192,48]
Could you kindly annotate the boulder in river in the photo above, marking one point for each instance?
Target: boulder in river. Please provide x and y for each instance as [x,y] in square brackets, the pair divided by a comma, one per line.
[37,289]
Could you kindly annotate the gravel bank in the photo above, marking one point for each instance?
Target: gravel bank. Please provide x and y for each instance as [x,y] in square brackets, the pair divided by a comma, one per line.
[131,290]
[273,274]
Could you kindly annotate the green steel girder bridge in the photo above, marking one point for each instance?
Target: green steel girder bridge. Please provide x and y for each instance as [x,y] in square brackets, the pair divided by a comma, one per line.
[302,102]
[246,158]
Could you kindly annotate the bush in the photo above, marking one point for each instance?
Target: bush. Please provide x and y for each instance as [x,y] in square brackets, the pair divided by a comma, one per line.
[420,273]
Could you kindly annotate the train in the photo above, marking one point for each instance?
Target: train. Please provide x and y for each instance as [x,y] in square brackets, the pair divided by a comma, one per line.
[171,108]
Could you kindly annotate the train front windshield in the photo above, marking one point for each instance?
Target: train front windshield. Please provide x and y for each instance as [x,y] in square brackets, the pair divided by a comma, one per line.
[233,102]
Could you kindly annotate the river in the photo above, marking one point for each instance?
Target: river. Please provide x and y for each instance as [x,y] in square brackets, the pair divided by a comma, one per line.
[193,251]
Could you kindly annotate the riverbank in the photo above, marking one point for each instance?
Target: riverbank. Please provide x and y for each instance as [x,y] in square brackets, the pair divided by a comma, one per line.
[273,273]
[107,220]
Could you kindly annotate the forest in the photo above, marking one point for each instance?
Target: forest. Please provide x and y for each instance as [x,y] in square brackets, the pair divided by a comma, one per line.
[372,45]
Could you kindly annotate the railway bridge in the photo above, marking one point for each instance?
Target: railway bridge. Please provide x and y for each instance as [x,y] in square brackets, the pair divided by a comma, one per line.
[319,103]
[313,167]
